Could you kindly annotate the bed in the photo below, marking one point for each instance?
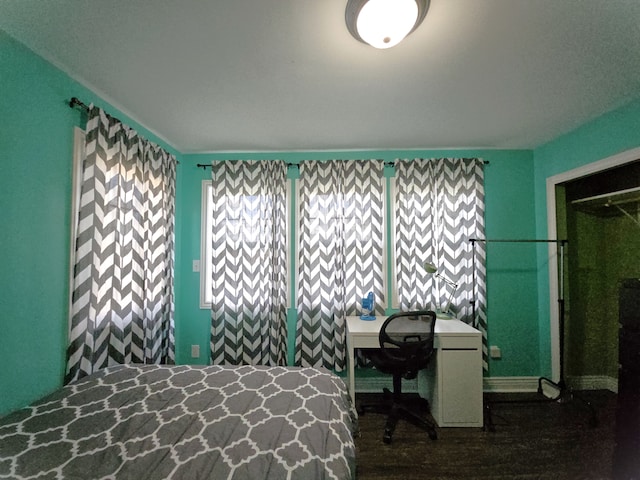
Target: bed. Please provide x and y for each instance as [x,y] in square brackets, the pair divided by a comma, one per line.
[186,422]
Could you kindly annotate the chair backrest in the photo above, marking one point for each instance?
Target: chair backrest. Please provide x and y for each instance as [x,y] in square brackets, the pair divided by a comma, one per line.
[406,339]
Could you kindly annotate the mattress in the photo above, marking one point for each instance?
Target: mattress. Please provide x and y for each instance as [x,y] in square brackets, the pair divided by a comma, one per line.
[186,422]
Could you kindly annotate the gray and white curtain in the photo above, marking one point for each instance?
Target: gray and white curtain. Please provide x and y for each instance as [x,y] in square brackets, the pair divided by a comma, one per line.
[439,206]
[340,254]
[249,263]
[123,300]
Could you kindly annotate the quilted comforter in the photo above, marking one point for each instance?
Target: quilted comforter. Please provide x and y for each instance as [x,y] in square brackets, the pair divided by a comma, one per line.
[184,422]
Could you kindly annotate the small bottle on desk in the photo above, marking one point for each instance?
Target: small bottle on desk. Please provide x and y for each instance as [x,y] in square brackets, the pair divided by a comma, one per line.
[368,308]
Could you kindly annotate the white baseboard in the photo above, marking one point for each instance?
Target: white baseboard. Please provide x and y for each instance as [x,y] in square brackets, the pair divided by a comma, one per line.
[496,384]
[510,384]
[530,384]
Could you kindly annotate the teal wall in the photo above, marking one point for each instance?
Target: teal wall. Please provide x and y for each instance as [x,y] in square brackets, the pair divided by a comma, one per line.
[36,140]
[35,193]
[607,135]
[511,271]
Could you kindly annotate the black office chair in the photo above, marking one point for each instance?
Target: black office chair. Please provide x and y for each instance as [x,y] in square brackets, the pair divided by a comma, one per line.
[406,347]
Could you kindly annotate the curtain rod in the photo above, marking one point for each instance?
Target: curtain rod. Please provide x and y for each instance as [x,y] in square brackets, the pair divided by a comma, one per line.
[386,164]
[74,102]
[204,166]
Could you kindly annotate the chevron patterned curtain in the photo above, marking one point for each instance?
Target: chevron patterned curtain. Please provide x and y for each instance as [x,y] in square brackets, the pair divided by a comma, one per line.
[439,205]
[123,302]
[249,263]
[340,253]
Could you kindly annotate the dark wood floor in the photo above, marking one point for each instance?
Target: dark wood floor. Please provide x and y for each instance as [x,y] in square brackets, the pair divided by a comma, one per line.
[534,440]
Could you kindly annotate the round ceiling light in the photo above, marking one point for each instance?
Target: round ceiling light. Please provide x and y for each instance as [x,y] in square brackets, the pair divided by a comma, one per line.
[384,23]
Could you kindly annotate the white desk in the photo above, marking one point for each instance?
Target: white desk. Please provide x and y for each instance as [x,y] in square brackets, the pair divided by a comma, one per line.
[453,381]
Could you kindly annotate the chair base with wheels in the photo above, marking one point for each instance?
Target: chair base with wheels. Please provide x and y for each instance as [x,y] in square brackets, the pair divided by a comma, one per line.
[398,406]
[406,347]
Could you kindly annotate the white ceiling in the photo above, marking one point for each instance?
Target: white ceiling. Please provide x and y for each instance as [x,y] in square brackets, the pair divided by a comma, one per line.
[262,75]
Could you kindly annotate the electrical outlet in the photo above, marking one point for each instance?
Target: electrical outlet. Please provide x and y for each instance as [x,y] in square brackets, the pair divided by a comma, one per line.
[196,265]
[494,352]
[195,351]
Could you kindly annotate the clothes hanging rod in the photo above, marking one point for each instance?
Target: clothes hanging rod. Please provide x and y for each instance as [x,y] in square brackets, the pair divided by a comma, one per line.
[488,240]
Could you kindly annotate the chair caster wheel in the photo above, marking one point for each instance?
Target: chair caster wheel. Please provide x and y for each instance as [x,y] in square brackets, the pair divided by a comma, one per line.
[386,438]
[433,435]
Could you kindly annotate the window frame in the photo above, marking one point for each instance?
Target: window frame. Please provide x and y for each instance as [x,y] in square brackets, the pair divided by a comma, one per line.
[76,194]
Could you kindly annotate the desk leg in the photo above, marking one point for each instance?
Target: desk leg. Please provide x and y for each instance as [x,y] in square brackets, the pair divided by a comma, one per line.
[351,369]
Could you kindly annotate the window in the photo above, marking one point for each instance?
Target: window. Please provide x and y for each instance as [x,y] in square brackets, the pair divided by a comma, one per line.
[340,253]
[438,206]
[206,242]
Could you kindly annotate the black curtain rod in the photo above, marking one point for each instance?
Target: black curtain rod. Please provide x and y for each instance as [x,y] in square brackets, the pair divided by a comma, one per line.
[386,164]
[204,166]
[74,102]
[393,164]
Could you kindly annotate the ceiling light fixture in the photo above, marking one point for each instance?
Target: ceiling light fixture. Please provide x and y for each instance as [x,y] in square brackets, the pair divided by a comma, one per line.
[384,23]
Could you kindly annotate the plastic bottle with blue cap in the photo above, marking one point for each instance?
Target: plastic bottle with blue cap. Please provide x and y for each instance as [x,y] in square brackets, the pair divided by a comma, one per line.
[368,307]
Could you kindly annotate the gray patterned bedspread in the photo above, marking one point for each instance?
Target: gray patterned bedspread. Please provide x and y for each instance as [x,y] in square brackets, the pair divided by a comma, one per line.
[183,422]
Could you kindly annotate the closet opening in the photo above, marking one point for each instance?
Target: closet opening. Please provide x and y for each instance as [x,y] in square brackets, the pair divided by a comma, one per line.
[599,214]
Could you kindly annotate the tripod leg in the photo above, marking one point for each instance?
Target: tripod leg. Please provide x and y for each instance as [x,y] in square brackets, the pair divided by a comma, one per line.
[390,426]
[488,418]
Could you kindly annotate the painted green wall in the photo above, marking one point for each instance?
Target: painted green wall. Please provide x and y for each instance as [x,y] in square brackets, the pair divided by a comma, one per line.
[512,289]
[35,194]
[36,140]
[607,135]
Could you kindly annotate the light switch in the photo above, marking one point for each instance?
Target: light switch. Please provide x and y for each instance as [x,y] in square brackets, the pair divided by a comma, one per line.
[196,265]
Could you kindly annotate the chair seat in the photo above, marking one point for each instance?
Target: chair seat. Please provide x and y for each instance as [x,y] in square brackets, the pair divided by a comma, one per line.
[391,367]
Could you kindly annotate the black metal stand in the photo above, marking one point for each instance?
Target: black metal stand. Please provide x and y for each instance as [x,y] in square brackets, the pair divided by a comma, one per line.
[564,393]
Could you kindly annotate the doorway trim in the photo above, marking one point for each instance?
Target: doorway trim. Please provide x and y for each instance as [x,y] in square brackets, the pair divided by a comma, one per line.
[598,166]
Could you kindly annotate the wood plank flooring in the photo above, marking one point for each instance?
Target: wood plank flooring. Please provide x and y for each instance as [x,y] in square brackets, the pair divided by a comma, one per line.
[532,440]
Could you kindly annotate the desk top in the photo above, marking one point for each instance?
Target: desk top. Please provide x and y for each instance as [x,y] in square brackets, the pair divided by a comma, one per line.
[357,326]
